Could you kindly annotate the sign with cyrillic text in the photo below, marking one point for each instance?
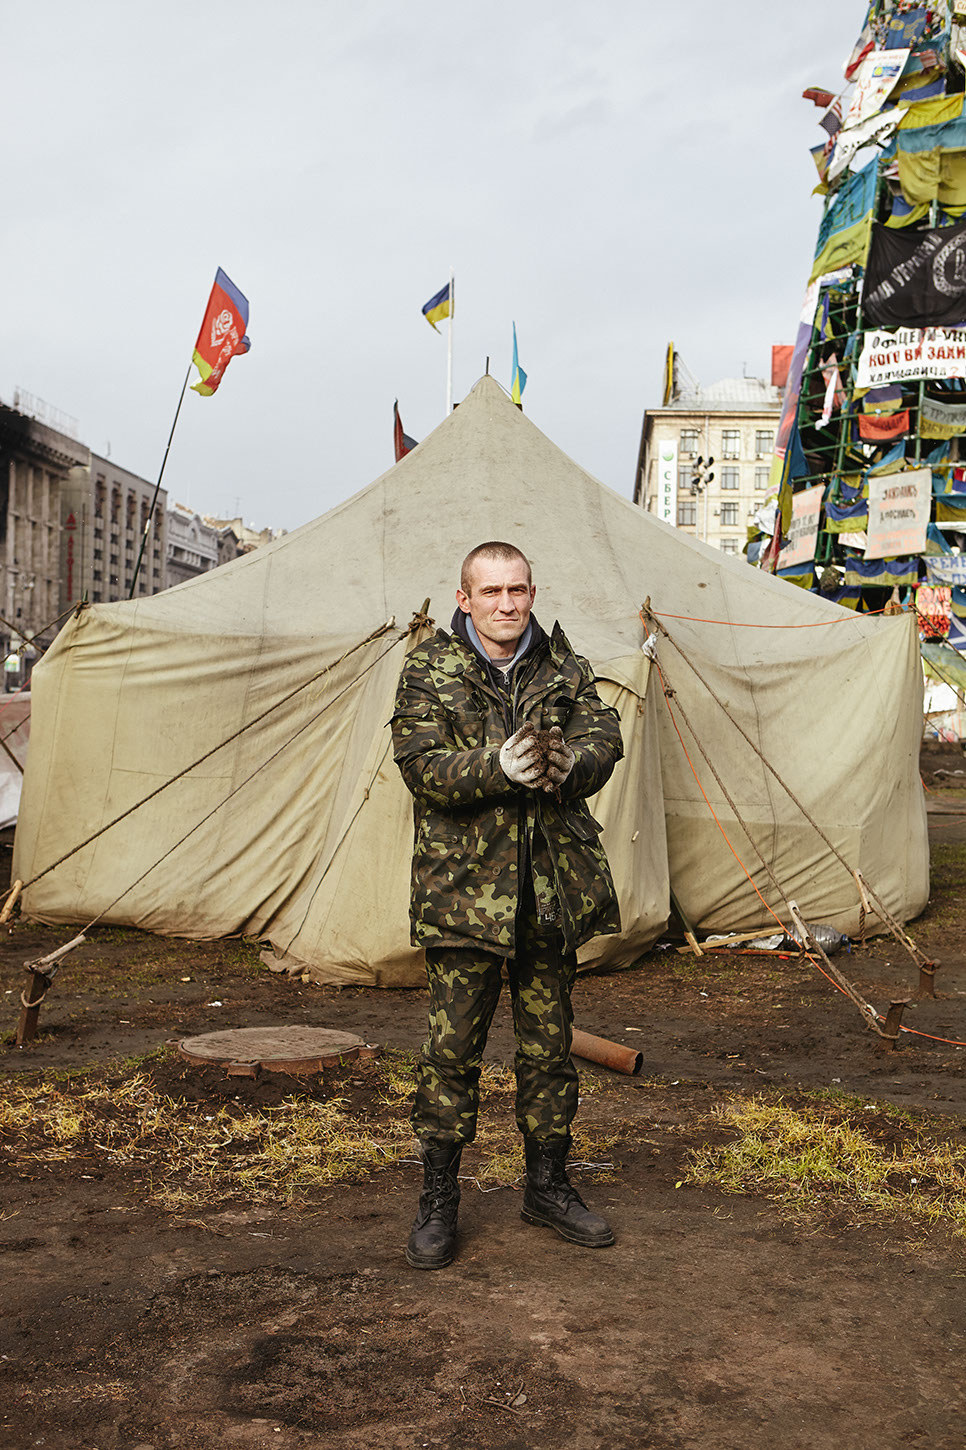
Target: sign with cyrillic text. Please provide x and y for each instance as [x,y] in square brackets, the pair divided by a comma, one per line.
[667,482]
[948,569]
[899,513]
[803,529]
[904,353]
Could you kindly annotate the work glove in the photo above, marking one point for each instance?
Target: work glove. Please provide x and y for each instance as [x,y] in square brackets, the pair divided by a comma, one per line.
[560,759]
[520,758]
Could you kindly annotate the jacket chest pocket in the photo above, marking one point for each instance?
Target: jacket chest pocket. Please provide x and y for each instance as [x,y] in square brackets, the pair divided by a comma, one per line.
[555,710]
[467,723]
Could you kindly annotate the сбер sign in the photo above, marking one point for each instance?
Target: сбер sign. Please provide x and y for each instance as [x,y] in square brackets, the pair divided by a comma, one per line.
[667,482]
[904,353]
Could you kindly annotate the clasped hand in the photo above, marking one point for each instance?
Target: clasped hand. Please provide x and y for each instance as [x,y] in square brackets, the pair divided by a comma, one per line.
[541,762]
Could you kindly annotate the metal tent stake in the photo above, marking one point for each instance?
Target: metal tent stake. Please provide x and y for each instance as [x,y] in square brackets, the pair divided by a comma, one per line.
[42,973]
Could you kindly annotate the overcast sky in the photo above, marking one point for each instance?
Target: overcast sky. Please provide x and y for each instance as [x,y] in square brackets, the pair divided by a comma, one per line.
[609,177]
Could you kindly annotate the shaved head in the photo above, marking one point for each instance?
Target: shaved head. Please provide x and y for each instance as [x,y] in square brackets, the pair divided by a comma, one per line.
[493,552]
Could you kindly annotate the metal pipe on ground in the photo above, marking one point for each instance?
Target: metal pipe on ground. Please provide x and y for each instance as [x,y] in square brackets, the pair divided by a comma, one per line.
[608,1054]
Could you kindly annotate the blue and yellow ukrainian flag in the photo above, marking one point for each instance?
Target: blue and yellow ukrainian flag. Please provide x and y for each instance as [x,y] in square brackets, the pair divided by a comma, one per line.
[518,379]
[437,308]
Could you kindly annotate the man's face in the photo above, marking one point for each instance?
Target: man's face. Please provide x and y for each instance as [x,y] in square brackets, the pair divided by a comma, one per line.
[499,603]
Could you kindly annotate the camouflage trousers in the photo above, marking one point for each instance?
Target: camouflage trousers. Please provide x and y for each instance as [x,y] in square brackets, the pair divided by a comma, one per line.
[464,988]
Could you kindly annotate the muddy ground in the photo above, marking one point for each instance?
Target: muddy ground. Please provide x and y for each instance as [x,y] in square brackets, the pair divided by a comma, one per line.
[718,1321]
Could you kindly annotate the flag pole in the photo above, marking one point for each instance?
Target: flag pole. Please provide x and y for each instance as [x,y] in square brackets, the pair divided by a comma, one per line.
[157,486]
[449,348]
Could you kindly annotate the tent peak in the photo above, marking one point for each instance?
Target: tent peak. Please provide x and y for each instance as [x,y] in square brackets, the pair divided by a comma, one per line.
[488,387]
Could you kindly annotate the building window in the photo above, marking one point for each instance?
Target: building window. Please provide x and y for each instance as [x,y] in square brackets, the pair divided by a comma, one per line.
[687,511]
[685,475]
[729,478]
[690,441]
[764,442]
[762,476]
[731,443]
[729,546]
[729,514]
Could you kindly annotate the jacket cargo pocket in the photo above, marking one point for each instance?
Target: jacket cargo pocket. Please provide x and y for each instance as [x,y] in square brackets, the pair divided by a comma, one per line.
[582,826]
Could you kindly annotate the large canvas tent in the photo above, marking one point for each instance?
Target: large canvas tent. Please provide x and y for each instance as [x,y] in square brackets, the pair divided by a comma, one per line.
[263,692]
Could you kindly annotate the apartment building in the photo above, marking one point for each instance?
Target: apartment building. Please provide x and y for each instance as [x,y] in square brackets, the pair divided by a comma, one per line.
[734,422]
[104,511]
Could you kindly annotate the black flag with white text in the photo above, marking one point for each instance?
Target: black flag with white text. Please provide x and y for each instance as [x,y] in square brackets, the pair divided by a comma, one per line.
[916,278]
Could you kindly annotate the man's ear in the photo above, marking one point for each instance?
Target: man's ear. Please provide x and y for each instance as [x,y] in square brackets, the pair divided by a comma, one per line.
[463,600]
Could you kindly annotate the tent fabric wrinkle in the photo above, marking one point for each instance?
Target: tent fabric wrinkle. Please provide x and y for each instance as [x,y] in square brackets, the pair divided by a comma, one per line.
[299,831]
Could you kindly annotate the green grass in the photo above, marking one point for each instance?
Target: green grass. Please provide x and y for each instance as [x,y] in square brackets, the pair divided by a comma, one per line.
[815,1160]
[947,886]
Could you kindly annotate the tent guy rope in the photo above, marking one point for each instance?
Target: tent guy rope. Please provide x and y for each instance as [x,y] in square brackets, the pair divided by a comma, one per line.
[41,976]
[905,941]
[256,720]
[838,979]
[241,785]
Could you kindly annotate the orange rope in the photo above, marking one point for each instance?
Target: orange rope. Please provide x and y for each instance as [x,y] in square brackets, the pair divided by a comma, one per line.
[951,1041]
[707,802]
[736,624]
[7,700]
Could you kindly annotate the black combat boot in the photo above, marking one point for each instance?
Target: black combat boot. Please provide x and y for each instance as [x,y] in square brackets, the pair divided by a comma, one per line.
[551,1201]
[432,1241]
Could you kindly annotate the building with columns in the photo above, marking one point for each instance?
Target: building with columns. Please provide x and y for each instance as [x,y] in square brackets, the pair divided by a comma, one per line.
[35,462]
[192,545]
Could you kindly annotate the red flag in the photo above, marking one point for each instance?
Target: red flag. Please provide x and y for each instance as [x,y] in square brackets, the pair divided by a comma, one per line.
[875,428]
[820,97]
[222,334]
[402,442]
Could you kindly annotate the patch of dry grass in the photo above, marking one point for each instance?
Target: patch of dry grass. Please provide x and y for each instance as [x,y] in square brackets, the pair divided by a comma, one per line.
[188,1155]
[192,1154]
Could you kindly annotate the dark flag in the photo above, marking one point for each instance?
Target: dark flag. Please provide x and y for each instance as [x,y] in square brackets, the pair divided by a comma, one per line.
[832,120]
[402,442]
[916,278]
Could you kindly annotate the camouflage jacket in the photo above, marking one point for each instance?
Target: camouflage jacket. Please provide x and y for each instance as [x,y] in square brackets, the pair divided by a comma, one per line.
[475,831]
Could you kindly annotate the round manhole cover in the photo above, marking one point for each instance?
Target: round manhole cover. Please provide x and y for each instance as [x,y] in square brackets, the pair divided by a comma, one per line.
[250,1050]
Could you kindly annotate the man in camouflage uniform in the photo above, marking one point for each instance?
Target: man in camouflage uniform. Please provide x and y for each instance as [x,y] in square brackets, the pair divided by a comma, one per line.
[507,870]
